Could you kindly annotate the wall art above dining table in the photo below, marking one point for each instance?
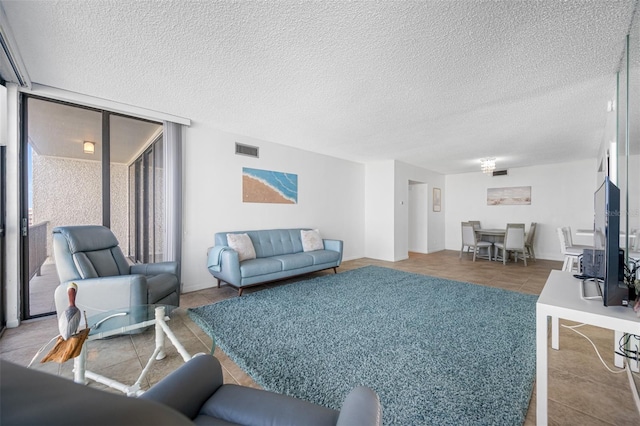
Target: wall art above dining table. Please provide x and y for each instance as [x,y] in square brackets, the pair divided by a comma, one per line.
[509,196]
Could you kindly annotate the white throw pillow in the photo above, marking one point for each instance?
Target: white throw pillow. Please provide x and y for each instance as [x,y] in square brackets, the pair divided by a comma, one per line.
[243,245]
[311,240]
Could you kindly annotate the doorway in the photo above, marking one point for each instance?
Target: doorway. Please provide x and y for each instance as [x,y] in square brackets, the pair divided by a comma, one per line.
[75,172]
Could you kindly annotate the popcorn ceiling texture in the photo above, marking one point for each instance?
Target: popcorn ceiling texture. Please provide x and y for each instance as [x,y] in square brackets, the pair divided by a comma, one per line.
[438,84]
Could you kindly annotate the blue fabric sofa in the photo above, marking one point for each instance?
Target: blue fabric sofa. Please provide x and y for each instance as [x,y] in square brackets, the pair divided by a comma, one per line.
[279,255]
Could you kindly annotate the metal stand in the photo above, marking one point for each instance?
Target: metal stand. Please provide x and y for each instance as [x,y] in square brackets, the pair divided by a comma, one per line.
[161,330]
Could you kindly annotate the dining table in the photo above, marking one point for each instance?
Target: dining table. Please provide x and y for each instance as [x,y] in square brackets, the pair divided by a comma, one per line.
[491,235]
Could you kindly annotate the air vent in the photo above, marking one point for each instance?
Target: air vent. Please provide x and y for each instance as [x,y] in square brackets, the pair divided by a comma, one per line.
[248,150]
[500,172]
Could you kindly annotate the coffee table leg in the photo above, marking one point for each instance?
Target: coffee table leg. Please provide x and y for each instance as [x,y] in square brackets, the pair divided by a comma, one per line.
[79,366]
[160,333]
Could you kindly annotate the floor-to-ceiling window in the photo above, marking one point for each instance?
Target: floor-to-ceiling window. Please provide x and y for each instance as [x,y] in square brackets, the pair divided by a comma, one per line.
[146,213]
[76,172]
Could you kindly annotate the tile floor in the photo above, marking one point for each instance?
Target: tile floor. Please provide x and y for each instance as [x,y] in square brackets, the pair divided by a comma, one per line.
[581,390]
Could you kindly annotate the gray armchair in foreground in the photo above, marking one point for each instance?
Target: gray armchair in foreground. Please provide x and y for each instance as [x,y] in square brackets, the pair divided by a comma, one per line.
[90,256]
[193,394]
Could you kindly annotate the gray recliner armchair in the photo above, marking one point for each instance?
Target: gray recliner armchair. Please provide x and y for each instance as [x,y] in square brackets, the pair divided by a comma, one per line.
[89,255]
[193,394]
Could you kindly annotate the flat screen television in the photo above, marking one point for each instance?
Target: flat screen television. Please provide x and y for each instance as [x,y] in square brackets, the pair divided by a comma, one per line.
[606,237]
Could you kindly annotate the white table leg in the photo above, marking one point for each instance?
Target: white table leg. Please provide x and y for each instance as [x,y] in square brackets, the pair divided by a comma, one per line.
[172,337]
[160,333]
[79,366]
[161,329]
[555,333]
[541,367]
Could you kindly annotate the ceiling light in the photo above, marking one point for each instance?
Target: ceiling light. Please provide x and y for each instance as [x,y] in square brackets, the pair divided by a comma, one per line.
[89,147]
[488,165]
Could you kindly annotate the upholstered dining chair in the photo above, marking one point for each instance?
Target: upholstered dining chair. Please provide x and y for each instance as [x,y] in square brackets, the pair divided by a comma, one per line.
[528,242]
[90,256]
[476,226]
[469,239]
[569,240]
[513,242]
[571,254]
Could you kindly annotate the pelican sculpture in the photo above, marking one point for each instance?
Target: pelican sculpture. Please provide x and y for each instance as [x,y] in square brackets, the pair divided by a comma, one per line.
[70,318]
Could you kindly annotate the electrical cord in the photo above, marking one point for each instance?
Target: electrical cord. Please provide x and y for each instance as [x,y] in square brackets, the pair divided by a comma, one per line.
[626,369]
[573,328]
[628,353]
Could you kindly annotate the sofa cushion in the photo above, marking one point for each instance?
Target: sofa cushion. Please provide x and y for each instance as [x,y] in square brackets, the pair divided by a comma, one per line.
[260,266]
[323,256]
[294,261]
[160,286]
[275,242]
[243,245]
[311,240]
[248,406]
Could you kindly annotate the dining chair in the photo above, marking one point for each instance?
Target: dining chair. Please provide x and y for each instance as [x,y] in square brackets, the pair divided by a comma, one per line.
[528,242]
[513,242]
[569,240]
[476,226]
[469,239]
[571,254]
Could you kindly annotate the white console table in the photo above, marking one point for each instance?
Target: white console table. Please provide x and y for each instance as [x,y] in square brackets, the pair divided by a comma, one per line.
[560,298]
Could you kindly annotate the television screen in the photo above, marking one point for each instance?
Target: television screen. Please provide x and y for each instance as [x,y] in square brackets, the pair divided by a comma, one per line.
[606,236]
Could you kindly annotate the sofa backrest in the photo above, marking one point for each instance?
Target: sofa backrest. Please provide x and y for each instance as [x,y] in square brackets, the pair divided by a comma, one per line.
[270,242]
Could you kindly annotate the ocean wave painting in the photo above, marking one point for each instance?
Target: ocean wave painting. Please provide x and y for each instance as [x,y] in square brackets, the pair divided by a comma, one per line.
[267,186]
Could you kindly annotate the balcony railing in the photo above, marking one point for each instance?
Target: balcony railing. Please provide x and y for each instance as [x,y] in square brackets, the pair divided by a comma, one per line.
[37,248]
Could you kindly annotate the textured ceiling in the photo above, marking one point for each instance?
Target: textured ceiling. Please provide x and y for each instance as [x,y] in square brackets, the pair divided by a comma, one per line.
[438,84]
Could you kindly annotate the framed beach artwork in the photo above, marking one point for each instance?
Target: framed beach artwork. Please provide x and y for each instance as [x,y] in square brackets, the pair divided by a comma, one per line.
[437,199]
[509,196]
[267,186]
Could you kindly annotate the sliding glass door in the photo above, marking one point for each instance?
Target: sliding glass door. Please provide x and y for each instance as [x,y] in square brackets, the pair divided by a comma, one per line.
[76,173]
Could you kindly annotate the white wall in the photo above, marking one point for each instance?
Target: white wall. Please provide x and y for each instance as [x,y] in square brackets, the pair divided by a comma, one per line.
[387,214]
[330,196]
[379,210]
[561,195]
[12,240]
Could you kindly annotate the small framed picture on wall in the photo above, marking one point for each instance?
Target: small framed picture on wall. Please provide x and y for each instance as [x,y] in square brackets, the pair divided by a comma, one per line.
[437,200]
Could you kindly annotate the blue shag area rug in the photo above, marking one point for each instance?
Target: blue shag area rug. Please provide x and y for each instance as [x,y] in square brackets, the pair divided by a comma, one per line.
[437,352]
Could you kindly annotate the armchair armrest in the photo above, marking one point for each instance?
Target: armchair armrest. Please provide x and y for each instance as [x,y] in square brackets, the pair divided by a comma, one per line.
[361,407]
[97,295]
[154,268]
[188,387]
